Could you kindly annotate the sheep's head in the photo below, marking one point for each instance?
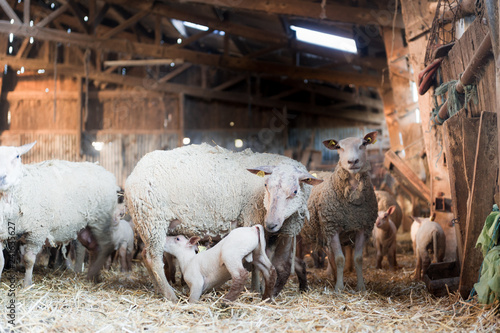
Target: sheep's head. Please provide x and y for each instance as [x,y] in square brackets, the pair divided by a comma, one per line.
[383,217]
[180,246]
[11,166]
[352,151]
[284,192]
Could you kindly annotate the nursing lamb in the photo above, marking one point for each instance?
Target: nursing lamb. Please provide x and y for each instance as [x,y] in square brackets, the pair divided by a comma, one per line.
[207,191]
[50,202]
[343,208]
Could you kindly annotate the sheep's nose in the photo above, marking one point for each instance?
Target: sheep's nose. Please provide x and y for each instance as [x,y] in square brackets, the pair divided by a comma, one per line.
[271,226]
[353,161]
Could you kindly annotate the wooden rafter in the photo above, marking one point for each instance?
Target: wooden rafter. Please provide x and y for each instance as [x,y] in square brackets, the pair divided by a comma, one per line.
[191,39]
[79,15]
[159,51]
[174,73]
[141,62]
[52,16]
[230,83]
[151,84]
[10,12]
[331,11]
[126,24]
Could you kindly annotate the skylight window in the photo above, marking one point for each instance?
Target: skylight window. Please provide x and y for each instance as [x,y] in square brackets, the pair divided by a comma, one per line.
[195,26]
[324,39]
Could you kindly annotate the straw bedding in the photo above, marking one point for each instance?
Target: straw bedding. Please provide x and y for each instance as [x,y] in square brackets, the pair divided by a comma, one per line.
[62,301]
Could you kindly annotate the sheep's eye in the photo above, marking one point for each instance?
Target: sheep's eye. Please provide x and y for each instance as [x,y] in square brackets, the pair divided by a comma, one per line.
[17,156]
[295,192]
[177,239]
[265,185]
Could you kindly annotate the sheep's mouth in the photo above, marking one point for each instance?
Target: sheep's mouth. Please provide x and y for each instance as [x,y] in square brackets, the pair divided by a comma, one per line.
[354,168]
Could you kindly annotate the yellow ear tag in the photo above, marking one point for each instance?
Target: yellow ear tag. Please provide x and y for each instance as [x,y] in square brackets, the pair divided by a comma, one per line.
[201,248]
[374,142]
[261,173]
[315,175]
[332,143]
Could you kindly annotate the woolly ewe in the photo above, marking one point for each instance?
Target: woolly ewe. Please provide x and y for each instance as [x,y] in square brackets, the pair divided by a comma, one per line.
[344,207]
[206,191]
[50,202]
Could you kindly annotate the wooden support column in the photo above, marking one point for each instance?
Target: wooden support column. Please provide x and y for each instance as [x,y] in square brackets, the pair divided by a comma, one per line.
[79,119]
[481,199]
[181,120]
[460,140]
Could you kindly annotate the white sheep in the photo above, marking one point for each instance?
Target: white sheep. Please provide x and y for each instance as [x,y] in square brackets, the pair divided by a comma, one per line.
[386,200]
[50,202]
[384,238]
[213,267]
[343,208]
[207,191]
[429,237]
[122,235]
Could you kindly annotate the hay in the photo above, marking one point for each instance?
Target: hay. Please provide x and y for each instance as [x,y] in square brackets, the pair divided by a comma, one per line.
[62,301]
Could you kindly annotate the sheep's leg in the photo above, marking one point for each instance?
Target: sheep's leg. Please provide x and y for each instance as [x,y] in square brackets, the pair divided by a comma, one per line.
[418,267]
[239,276]
[105,249]
[169,267]
[154,264]
[122,253]
[264,265]
[2,259]
[282,262]
[129,261]
[195,290]
[358,259]
[301,271]
[348,258]
[29,261]
[336,250]
[379,257]
[256,280]
[391,256]
[79,256]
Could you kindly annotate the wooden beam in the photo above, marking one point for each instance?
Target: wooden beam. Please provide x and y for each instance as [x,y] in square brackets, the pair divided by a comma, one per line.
[174,73]
[331,11]
[26,12]
[79,15]
[129,22]
[151,84]
[158,51]
[191,39]
[142,62]
[49,18]
[100,16]
[406,176]
[285,93]
[10,12]
[230,83]
[481,199]
[158,30]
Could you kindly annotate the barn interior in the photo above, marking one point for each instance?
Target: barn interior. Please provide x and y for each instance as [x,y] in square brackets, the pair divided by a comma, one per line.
[109,81]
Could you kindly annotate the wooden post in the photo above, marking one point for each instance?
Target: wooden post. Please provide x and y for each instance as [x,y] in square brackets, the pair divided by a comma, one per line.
[460,138]
[79,119]
[181,120]
[480,199]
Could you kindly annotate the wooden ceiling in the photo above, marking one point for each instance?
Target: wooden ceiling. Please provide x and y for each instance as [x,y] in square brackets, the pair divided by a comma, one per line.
[132,43]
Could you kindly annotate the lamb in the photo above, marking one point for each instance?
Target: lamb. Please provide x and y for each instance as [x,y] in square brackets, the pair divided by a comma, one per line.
[386,200]
[213,267]
[200,190]
[122,235]
[384,238]
[344,207]
[50,202]
[430,236]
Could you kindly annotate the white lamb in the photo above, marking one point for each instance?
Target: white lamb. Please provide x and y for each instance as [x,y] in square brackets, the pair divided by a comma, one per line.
[384,238]
[122,234]
[215,266]
[50,202]
[207,191]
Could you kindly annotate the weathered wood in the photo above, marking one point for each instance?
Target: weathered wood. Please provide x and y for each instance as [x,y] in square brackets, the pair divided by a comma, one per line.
[406,176]
[141,62]
[174,73]
[481,199]
[52,16]
[180,135]
[26,12]
[460,138]
[79,15]
[331,11]
[131,21]
[10,12]
[150,50]
[230,83]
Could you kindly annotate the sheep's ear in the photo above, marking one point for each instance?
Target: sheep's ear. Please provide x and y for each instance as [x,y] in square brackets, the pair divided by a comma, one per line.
[194,240]
[370,138]
[25,148]
[416,219]
[309,179]
[173,224]
[391,210]
[331,144]
[262,170]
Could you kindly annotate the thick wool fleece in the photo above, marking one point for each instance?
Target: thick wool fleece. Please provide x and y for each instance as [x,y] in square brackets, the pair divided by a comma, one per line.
[207,189]
[56,199]
[335,208]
